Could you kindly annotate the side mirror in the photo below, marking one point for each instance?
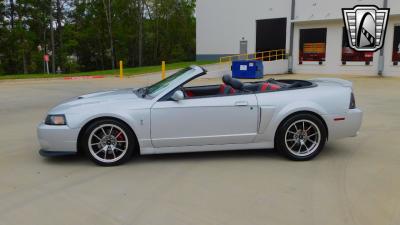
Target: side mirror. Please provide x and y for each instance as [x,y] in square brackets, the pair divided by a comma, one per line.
[178,95]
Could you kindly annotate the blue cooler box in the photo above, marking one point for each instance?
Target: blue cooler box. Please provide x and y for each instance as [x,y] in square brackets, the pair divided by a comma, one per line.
[247,69]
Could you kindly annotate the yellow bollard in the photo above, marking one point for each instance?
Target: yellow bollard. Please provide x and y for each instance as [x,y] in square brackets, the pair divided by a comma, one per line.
[121,70]
[163,70]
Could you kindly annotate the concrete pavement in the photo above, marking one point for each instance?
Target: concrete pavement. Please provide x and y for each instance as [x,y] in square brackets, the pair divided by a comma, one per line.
[353,181]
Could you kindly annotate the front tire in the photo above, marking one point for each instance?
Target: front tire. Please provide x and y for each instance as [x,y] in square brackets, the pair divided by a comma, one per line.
[301,137]
[108,142]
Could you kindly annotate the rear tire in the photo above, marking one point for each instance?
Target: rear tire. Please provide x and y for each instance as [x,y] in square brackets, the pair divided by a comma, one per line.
[301,137]
[108,142]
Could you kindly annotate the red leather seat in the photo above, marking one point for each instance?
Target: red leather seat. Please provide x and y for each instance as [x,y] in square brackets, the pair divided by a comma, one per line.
[226,89]
[189,94]
[266,86]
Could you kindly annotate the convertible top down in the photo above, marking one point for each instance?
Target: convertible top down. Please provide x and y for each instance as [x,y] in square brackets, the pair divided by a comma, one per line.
[296,117]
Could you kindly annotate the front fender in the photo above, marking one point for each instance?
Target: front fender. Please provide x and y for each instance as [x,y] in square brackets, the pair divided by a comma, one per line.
[77,121]
[137,119]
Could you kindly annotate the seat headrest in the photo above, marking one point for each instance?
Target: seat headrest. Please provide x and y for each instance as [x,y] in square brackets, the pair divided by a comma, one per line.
[236,84]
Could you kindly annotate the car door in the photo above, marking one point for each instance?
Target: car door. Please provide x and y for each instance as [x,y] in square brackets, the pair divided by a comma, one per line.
[204,121]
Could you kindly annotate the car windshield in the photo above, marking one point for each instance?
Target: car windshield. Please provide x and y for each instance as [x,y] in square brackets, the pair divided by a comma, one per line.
[158,87]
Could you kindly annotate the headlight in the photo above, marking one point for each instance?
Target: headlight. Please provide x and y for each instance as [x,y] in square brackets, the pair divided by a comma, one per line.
[58,120]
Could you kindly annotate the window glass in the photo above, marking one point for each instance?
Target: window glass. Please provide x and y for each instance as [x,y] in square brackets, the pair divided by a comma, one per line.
[156,88]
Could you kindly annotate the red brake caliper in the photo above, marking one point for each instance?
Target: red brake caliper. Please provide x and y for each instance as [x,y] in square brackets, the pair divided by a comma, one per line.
[120,137]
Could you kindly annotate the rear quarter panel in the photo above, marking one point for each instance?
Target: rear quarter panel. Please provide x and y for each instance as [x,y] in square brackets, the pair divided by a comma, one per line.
[324,99]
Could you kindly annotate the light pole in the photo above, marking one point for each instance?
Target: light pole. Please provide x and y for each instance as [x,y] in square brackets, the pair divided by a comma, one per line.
[53,51]
[44,47]
[45,58]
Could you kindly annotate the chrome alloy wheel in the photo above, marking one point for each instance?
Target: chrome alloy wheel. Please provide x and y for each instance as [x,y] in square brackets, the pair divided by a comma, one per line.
[302,138]
[108,143]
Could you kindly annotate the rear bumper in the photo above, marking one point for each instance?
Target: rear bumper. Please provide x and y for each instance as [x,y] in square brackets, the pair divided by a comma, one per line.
[57,140]
[342,126]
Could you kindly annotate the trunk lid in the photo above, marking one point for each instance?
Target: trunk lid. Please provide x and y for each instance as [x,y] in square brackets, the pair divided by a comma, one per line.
[333,81]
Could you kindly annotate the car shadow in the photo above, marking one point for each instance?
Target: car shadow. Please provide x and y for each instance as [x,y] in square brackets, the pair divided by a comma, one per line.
[210,156]
[77,159]
[81,159]
[331,151]
[337,150]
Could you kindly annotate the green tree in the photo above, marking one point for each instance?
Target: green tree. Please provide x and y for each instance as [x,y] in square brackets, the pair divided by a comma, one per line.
[95,34]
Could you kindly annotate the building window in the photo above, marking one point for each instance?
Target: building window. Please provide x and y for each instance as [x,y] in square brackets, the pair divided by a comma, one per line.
[396,45]
[312,45]
[350,55]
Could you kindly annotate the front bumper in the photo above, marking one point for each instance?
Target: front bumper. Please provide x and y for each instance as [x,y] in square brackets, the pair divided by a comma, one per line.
[47,153]
[57,140]
[342,126]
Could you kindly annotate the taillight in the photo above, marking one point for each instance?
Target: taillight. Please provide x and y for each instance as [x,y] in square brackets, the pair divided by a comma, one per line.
[352,101]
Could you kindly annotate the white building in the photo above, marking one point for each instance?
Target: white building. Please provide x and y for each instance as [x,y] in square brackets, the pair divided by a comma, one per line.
[293,25]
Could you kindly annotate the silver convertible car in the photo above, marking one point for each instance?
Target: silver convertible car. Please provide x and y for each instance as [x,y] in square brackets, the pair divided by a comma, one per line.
[295,117]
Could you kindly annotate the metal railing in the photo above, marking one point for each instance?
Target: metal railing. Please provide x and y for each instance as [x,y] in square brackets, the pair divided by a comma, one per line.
[271,55]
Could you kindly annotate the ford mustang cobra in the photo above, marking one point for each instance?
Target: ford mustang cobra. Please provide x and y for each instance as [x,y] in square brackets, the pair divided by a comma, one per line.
[295,117]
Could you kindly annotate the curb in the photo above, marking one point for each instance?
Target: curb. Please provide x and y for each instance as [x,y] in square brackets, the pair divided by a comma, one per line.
[84,77]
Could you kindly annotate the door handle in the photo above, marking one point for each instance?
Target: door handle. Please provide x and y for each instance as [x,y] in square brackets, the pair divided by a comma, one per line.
[241,103]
